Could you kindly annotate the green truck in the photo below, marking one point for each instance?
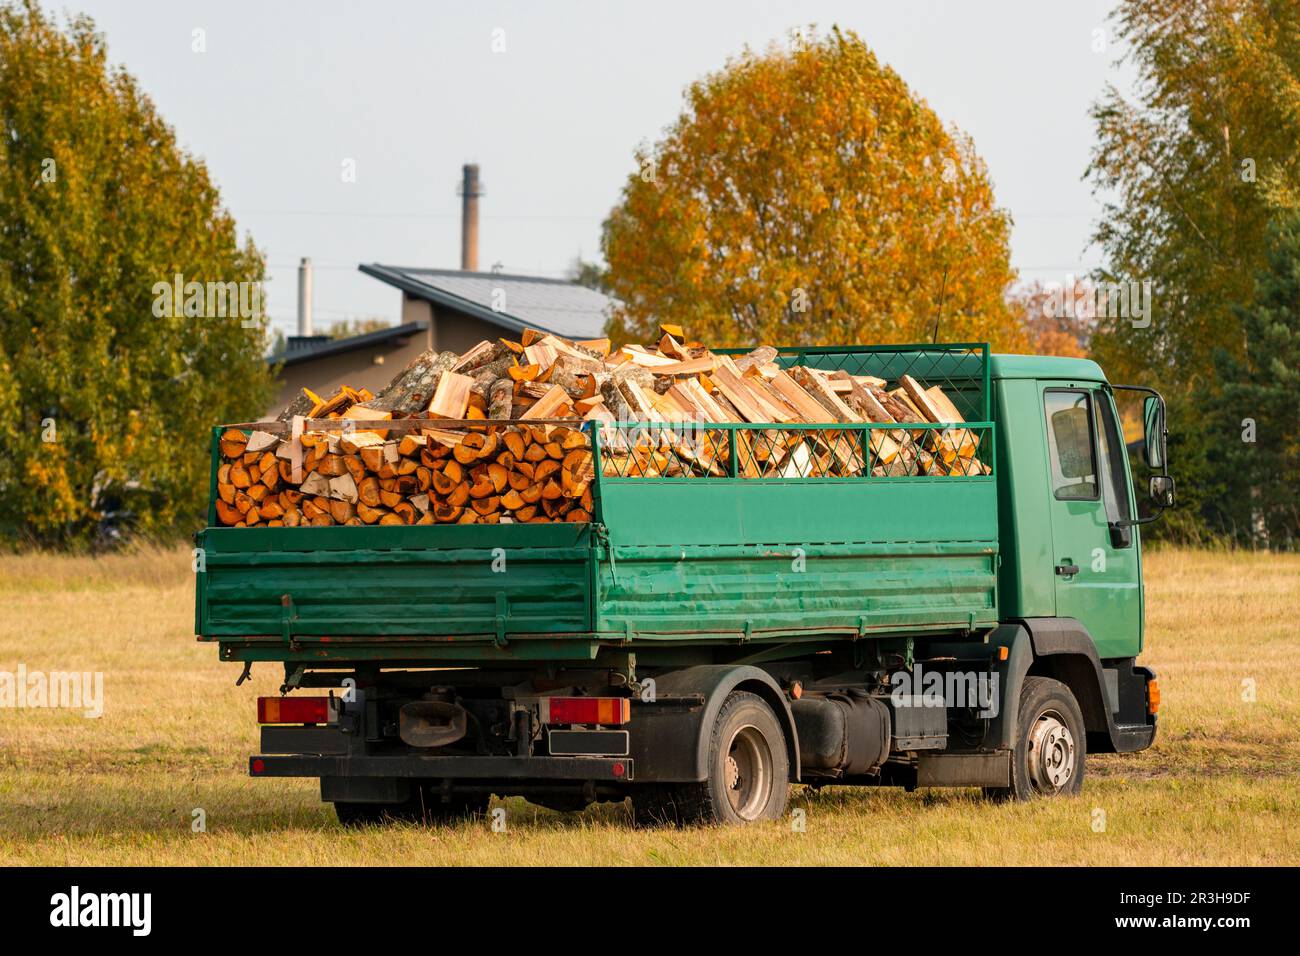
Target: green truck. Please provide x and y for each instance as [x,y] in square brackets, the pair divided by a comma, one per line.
[705,641]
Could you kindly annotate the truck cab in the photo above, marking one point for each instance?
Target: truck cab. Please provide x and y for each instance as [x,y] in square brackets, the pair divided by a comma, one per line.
[1071,572]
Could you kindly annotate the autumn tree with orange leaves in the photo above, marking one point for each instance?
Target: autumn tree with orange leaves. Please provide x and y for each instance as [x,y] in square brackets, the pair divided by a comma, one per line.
[807,196]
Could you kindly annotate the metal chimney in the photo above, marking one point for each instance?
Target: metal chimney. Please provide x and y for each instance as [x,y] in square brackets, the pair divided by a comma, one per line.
[469,193]
[304,297]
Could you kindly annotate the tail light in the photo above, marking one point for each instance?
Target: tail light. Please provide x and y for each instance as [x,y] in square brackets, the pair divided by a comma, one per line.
[586,710]
[1153,696]
[293,710]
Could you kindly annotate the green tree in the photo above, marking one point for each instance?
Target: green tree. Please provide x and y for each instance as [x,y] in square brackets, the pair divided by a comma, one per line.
[589,274]
[1257,422]
[347,328]
[1194,168]
[105,405]
[807,195]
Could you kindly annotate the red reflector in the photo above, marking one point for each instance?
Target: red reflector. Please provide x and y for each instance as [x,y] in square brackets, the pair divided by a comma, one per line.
[586,710]
[293,710]
[619,770]
[259,766]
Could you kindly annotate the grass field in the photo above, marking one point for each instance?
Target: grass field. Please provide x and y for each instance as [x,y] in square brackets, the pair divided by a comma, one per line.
[1221,785]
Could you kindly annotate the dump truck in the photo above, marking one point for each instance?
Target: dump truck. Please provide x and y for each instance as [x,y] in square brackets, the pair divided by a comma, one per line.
[707,639]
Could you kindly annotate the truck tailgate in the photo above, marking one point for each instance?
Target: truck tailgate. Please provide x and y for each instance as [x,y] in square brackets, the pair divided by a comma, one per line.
[315,585]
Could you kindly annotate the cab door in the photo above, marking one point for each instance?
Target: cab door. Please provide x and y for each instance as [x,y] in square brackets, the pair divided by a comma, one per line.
[1096,563]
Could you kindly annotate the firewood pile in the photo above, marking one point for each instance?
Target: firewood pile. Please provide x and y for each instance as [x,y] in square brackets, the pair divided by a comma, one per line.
[494,435]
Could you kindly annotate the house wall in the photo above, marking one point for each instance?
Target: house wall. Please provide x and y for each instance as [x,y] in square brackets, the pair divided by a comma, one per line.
[374,367]
[452,330]
[370,368]
[458,332]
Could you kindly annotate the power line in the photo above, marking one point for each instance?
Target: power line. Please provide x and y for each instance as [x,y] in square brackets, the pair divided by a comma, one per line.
[340,213]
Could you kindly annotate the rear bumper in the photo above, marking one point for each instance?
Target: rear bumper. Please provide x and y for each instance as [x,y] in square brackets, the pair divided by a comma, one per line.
[597,769]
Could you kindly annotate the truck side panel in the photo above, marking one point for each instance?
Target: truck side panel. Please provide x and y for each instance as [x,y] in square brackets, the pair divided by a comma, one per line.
[752,555]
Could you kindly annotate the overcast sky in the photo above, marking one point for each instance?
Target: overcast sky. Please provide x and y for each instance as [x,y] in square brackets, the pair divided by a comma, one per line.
[286,92]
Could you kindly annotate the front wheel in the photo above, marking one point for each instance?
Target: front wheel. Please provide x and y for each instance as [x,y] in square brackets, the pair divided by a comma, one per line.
[749,773]
[1051,744]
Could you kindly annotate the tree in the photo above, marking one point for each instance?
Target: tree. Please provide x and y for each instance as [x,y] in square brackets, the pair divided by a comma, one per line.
[119,274]
[1256,414]
[589,274]
[1195,168]
[347,328]
[806,195]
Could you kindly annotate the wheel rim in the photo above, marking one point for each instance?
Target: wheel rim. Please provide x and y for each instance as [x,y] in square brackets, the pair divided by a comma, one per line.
[748,768]
[1051,753]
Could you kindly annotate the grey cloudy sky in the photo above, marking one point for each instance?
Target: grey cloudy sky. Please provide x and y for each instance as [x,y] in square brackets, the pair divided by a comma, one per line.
[286,92]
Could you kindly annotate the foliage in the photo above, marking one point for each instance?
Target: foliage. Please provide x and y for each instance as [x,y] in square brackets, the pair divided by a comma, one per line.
[589,274]
[1194,169]
[105,408]
[1052,330]
[1256,418]
[807,195]
[347,328]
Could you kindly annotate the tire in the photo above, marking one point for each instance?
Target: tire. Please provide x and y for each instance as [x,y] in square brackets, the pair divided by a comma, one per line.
[1051,744]
[749,773]
[425,806]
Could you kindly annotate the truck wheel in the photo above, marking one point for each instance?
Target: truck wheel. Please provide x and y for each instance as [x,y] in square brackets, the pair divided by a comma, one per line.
[749,773]
[1051,744]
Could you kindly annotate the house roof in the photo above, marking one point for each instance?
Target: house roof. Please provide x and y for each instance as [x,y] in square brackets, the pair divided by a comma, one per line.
[316,350]
[549,305]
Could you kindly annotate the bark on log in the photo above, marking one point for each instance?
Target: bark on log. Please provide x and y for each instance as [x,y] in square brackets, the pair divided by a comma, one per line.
[413,389]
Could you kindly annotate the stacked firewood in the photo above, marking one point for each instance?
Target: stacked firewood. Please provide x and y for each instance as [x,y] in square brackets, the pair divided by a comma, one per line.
[495,435]
[527,473]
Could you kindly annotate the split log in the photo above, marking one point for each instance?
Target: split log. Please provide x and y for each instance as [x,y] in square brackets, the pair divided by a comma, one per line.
[413,388]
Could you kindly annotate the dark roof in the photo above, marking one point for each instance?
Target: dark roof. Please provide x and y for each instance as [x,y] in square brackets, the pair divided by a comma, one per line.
[315,350]
[549,305]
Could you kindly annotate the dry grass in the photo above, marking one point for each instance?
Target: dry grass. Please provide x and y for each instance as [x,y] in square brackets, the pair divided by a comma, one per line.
[1220,786]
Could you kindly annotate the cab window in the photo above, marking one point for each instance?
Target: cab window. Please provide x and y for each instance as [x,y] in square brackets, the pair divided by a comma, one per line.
[1113,453]
[1072,450]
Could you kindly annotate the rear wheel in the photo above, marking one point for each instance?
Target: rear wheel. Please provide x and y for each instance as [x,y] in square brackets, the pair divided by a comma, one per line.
[748,767]
[425,805]
[1051,744]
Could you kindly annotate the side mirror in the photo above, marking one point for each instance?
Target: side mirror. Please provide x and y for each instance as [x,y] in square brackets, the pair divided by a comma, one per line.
[1162,491]
[1153,422]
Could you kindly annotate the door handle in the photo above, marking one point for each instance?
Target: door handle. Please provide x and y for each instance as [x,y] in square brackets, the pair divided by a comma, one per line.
[1067,570]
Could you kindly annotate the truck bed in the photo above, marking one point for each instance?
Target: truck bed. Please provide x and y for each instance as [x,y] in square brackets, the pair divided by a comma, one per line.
[666,562]
[738,561]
